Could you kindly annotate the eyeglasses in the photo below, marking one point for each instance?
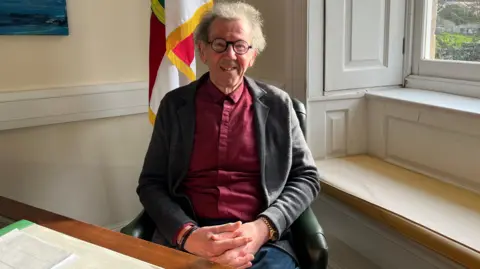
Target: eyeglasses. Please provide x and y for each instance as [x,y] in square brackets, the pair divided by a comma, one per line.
[220,45]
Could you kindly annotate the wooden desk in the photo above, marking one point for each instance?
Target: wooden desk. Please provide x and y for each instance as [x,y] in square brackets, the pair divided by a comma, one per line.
[127,245]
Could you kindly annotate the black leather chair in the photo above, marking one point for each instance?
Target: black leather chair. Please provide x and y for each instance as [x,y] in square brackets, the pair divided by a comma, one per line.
[309,242]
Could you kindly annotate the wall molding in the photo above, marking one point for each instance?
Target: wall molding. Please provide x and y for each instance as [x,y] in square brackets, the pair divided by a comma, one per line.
[315,48]
[21,109]
[295,49]
[350,94]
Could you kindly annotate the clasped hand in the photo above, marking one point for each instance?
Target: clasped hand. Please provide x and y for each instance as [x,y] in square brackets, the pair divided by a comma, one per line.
[232,244]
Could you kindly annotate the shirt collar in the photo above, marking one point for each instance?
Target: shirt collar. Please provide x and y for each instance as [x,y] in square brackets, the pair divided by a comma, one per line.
[218,96]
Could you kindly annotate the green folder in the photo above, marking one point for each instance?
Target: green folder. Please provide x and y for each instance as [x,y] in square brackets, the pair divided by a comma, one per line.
[21,224]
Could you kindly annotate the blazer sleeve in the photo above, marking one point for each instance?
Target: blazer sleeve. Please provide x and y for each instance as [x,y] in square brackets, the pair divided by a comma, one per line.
[153,183]
[303,183]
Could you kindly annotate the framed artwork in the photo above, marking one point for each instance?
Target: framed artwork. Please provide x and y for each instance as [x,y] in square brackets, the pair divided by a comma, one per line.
[33,17]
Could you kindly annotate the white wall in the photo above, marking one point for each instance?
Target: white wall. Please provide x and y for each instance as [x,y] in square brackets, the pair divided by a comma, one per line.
[108,43]
[85,170]
[270,65]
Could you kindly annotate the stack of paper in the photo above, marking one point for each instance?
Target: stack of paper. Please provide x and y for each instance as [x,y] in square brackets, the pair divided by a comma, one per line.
[33,246]
[19,250]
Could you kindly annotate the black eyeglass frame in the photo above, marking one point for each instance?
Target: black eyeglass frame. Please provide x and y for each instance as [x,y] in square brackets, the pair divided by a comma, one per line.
[229,43]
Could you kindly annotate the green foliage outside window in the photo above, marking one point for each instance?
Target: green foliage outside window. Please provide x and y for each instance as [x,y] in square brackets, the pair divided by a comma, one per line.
[461,46]
[457,47]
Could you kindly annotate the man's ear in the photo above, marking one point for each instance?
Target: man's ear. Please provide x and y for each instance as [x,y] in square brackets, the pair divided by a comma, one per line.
[252,61]
[201,48]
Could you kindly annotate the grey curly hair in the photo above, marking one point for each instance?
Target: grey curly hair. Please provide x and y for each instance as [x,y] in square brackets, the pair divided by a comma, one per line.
[233,11]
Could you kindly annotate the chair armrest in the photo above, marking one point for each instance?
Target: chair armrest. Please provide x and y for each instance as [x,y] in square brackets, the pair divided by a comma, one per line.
[141,227]
[309,242]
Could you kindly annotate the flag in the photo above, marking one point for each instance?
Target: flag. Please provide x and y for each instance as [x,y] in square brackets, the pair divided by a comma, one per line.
[172,49]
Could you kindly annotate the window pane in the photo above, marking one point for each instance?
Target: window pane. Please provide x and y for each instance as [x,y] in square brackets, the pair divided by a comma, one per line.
[454,30]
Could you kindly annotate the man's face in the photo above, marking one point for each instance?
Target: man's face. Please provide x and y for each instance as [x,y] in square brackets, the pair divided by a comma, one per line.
[227,68]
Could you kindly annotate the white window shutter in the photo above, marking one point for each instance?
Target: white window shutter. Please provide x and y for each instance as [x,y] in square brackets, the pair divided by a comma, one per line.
[364,43]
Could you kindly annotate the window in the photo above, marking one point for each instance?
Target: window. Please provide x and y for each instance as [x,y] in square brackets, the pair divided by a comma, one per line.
[446,40]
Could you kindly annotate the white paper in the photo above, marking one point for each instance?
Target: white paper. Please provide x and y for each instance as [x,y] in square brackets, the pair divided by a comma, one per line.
[67,263]
[19,250]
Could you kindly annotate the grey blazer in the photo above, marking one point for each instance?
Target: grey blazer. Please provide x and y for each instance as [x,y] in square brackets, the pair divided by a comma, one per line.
[290,180]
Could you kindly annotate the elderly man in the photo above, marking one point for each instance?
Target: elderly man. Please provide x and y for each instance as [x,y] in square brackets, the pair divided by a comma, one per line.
[228,170]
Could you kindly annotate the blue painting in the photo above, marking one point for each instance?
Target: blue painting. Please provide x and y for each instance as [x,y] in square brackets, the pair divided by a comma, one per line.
[33,17]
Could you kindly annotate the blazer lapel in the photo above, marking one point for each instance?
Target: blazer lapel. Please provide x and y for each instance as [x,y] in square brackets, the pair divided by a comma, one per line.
[186,119]
[261,115]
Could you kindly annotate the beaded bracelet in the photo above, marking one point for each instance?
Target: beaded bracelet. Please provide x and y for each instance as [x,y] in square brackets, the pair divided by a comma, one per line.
[185,237]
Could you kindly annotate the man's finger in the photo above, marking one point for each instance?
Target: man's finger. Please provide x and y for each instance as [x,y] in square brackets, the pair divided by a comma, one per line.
[247,265]
[243,261]
[229,227]
[236,260]
[237,233]
[222,236]
[233,243]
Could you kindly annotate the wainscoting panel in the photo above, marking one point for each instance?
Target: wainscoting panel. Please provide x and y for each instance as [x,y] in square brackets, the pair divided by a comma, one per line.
[437,142]
[336,132]
[337,128]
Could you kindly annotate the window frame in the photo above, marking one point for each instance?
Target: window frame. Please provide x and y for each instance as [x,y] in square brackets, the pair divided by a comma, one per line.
[455,71]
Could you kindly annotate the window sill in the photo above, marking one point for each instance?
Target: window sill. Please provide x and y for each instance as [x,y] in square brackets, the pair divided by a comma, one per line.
[438,215]
[433,99]
[452,86]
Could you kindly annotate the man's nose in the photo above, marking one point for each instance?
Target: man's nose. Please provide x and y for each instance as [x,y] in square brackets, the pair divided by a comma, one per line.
[230,52]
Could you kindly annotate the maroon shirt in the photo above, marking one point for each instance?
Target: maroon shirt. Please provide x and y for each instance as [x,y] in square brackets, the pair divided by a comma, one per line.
[223,180]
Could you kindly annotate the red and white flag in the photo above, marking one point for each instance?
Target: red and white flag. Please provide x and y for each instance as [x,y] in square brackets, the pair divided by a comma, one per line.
[172,49]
